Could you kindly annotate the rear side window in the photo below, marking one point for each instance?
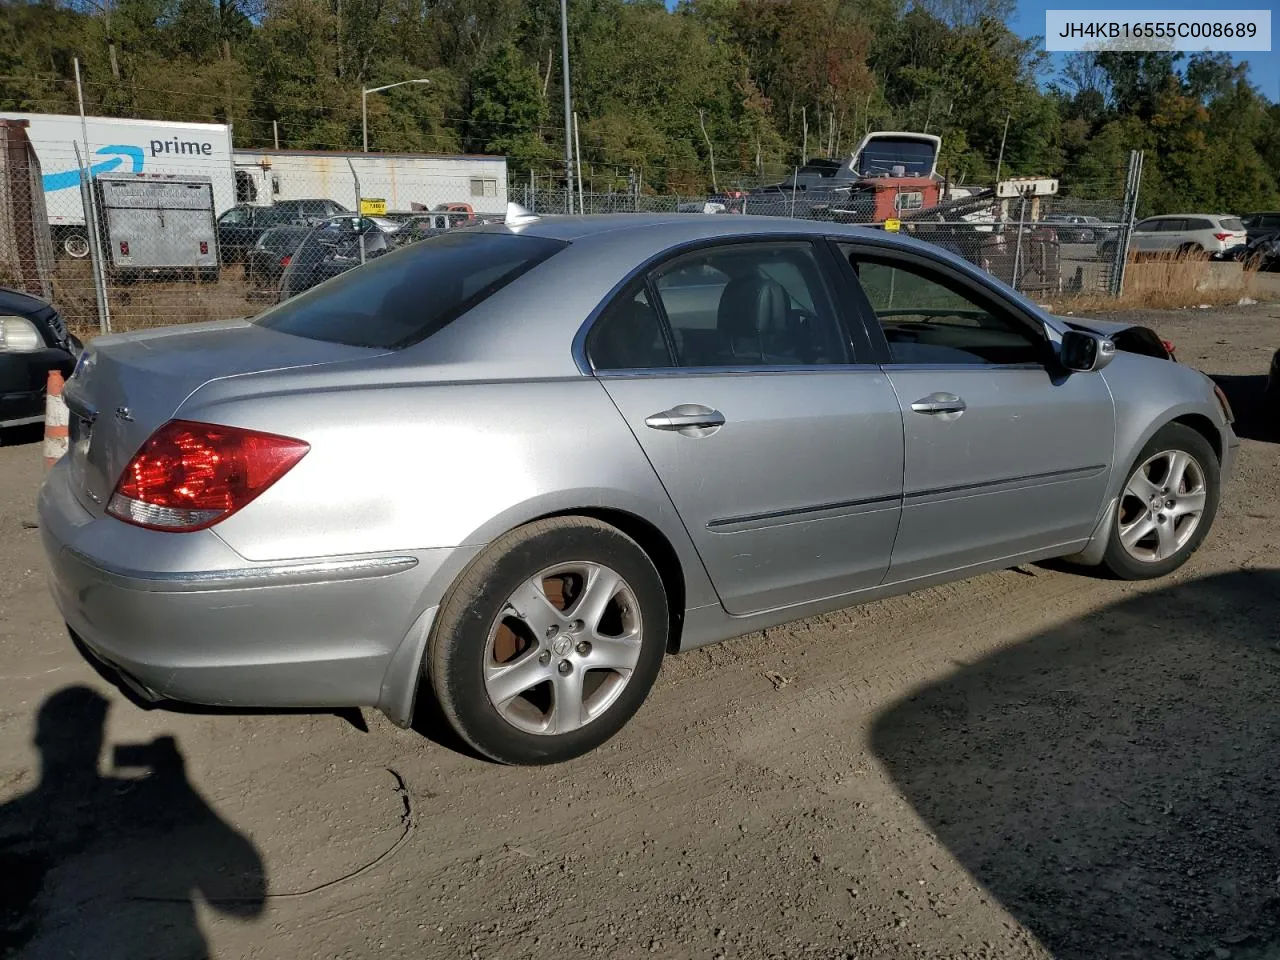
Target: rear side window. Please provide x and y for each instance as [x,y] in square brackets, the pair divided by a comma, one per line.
[1233,224]
[401,298]
[1172,226]
[1200,223]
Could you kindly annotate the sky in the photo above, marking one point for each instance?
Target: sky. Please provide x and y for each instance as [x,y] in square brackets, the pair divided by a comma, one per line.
[1264,68]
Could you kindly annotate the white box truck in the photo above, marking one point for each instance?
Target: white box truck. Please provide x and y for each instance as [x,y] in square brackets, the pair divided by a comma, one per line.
[121,146]
[403,182]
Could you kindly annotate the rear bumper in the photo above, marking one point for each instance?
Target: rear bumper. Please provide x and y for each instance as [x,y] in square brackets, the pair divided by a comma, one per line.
[325,632]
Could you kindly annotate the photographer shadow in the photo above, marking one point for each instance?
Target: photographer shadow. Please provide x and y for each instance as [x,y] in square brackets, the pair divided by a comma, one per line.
[111,866]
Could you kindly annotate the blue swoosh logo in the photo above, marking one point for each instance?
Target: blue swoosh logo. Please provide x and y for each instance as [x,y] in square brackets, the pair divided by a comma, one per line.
[118,153]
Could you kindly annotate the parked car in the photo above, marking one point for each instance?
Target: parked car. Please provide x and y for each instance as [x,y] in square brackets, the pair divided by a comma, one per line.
[332,248]
[268,258]
[33,341]
[1273,383]
[1072,227]
[241,226]
[511,467]
[1261,225]
[1212,235]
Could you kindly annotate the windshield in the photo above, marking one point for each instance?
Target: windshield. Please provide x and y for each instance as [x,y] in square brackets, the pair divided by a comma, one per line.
[400,298]
[881,156]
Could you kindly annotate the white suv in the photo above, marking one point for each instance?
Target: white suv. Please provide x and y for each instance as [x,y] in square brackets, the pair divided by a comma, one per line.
[1214,234]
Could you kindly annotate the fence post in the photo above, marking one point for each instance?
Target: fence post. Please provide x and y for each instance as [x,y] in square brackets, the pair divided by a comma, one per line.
[95,242]
[1127,217]
[1017,247]
[359,213]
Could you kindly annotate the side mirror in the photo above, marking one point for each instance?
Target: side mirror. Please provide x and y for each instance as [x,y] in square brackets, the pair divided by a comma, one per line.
[1085,352]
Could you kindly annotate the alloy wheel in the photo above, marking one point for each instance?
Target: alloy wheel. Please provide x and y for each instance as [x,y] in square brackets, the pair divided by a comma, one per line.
[563,648]
[1161,506]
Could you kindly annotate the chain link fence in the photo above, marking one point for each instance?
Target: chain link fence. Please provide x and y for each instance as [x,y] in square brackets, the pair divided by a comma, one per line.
[119,250]
[1046,246]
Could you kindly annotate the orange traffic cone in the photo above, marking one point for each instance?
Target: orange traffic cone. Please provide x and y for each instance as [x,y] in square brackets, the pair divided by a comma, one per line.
[56,420]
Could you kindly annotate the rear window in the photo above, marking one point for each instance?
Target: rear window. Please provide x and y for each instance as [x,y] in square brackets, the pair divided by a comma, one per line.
[1234,224]
[401,298]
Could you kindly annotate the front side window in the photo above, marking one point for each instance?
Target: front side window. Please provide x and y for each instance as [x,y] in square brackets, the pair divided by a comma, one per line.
[752,304]
[235,217]
[401,298]
[926,318]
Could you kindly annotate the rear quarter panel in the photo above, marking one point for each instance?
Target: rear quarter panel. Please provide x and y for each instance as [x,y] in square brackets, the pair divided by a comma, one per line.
[415,466]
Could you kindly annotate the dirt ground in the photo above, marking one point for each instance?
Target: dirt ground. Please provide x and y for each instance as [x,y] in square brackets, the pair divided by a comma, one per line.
[1032,763]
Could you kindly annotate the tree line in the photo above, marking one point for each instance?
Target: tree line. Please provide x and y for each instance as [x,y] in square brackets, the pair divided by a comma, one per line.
[723,92]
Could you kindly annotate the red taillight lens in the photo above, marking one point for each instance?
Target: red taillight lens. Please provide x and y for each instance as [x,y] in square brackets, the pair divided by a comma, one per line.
[1222,236]
[286,260]
[1168,346]
[124,248]
[204,246]
[189,476]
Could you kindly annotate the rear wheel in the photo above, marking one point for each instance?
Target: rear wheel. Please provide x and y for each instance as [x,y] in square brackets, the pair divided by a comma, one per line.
[1167,505]
[550,641]
[75,244]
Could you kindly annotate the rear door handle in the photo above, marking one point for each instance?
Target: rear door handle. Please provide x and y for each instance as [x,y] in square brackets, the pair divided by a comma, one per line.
[939,403]
[685,416]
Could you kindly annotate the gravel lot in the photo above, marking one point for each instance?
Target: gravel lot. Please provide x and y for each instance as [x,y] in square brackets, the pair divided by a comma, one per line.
[1032,763]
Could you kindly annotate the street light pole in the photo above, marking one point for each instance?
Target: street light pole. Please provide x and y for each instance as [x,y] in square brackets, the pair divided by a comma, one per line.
[568,110]
[364,107]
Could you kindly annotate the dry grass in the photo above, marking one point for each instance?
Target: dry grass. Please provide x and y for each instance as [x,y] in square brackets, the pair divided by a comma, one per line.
[149,303]
[1172,281]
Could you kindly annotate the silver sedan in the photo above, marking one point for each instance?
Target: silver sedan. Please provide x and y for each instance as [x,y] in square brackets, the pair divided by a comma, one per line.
[513,467]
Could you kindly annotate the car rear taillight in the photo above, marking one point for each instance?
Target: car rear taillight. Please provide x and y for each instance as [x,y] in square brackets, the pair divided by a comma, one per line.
[1168,346]
[286,260]
[124,248]
[189,476]
[1223,236]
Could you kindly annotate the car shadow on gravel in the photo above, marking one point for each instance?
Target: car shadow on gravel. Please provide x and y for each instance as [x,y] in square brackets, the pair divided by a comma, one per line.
[1246,394]
[95,865]
[1115,782]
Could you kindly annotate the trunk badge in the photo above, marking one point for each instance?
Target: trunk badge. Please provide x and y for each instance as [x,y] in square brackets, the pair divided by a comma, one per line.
[122,413]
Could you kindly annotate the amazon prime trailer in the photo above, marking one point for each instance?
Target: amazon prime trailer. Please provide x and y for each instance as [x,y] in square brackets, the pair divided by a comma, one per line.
[110,145]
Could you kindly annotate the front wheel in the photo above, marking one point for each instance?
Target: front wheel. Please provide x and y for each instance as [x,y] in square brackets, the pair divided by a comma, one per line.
[1167,505]
[550,641]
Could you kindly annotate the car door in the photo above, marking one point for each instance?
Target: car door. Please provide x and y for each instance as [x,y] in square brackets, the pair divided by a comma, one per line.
[1146,235]
[1005,454]
[780,449]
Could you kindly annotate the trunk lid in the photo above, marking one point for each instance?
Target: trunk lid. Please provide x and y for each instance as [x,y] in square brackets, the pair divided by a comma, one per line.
[126,386]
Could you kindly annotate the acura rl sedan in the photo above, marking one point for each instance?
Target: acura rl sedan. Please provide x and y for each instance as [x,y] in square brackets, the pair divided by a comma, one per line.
[515,466]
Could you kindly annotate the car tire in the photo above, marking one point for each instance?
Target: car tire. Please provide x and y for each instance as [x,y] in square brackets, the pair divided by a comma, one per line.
[539,685]
[1149,538]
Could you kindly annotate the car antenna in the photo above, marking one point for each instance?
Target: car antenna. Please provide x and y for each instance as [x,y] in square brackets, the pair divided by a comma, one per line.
[518,216]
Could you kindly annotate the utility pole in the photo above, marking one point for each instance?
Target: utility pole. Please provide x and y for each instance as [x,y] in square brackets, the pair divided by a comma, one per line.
[1000,159]
[568,110]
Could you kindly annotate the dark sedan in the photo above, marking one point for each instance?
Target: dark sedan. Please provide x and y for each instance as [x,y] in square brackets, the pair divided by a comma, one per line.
[333,248]
[241,226]
[33,341]
[272,254]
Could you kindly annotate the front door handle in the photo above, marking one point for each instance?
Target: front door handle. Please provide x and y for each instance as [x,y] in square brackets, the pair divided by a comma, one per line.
[939,403]
[685,416]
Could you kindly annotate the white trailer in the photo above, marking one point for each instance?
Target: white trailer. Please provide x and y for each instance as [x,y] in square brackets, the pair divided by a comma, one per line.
[403,182]
[115,145]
